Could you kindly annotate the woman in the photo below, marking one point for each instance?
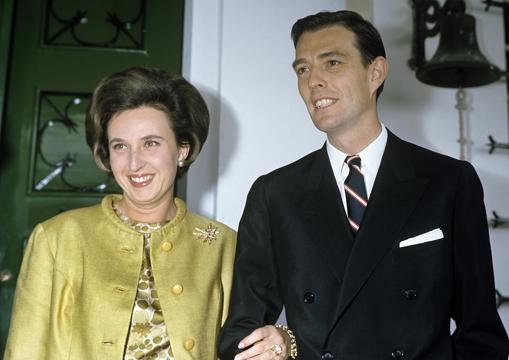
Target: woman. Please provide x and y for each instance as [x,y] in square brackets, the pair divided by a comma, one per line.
[138,276]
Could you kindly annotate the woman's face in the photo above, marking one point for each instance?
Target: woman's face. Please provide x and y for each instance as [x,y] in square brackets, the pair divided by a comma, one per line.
[144,156]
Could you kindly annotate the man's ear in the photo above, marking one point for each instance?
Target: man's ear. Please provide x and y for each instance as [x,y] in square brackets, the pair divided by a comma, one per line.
[378,70]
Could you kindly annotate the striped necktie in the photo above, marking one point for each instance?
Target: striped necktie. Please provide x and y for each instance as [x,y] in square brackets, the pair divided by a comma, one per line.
[355,191]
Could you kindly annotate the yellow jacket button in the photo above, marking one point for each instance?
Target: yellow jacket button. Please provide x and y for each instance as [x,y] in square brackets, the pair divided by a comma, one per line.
[177,289]
[189,344]
[166,246]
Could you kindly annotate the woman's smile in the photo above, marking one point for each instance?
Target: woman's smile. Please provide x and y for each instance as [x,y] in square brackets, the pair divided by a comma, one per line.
[140,180]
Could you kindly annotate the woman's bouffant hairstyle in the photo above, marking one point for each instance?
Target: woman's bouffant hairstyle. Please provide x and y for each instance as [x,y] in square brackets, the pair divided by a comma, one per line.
[185,108]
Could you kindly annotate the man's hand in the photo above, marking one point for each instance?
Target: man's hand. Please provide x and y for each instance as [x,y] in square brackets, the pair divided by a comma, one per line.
[266,342]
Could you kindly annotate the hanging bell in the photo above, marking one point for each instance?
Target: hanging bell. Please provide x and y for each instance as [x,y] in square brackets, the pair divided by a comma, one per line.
[458,62]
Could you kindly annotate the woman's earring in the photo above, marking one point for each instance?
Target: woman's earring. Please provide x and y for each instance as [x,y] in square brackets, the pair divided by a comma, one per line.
[180,163]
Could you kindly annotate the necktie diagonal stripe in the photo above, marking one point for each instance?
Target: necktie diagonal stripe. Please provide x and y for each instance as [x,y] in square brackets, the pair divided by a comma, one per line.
[355,192]
[355,226]
[356,196]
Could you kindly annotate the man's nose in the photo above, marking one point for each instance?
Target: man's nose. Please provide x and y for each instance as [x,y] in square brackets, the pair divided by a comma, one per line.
[316,78]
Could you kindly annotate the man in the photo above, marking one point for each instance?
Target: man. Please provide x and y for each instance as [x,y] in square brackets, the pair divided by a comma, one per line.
[371,258]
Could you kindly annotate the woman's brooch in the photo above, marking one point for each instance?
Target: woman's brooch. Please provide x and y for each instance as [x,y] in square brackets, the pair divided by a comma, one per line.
[208,234]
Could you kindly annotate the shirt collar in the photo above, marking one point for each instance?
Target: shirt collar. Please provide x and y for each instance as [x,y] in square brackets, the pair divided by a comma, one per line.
[371,157]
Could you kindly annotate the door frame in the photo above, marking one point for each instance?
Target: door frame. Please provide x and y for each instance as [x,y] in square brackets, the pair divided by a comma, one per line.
[6,22]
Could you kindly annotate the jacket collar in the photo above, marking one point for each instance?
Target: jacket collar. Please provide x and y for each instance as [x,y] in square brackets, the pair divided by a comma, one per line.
[395,194]
[110,215]
[323,211]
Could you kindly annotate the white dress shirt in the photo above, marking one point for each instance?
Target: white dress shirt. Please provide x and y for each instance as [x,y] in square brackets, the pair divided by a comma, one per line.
[371,156]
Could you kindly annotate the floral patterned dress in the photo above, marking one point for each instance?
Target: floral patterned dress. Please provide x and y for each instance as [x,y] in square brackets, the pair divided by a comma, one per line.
[147,338]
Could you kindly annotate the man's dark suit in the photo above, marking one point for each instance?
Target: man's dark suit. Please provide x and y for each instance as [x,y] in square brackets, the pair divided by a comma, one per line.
[368,298]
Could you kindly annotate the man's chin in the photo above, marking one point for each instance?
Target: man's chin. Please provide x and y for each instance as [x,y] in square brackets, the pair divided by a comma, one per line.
[325,124]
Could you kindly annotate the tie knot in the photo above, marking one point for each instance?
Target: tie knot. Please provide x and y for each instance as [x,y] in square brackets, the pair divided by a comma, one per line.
[353,160]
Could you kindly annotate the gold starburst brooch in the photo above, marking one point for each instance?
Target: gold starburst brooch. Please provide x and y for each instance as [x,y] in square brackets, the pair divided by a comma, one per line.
[208,234]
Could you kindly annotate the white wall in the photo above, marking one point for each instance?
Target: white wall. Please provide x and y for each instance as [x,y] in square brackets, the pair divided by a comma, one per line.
[426,115]
[238,53]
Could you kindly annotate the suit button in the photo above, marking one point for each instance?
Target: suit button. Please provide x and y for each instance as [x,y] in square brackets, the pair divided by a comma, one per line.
[177,289]
[410,294]
[189,344]
[166,246]
[398,354]
[309,298]
[327,355]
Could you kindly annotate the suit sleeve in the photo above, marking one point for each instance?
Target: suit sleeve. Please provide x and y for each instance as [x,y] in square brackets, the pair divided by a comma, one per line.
[31,310]
[479,331]
[255,299]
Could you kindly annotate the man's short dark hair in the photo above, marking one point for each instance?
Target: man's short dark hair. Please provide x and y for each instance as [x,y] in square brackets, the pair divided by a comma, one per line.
[367,38]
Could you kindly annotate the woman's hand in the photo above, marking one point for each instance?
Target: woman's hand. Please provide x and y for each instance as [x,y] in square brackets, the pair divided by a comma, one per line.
[267,342]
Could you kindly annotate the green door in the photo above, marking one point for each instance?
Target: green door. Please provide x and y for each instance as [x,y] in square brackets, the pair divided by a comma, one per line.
[58,51]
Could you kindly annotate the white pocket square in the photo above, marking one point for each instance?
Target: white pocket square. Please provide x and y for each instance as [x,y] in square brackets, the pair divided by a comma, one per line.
[432,235]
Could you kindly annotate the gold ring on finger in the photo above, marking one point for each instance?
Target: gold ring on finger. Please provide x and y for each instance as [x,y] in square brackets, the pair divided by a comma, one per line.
[278,350]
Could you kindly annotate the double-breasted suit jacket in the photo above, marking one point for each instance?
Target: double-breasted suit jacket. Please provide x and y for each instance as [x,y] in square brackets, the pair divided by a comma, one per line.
[370,297]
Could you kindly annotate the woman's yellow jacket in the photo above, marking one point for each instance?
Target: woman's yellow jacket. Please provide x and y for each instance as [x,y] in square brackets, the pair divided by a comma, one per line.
[79,277]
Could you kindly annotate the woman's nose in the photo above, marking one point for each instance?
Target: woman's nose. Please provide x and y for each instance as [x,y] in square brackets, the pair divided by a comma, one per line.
[136,161]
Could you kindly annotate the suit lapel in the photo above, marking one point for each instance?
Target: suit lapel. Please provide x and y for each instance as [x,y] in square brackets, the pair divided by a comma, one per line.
[395,193]
[325,217]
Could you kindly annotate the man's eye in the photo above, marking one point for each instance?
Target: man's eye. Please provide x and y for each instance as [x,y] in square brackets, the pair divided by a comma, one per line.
[301,70]
[333,62]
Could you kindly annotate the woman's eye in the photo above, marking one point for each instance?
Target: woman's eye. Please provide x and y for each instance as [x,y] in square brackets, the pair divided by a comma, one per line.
[119,146]
[151,143]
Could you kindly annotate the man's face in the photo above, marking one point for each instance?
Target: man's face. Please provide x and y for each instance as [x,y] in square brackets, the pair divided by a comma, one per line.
[337,89]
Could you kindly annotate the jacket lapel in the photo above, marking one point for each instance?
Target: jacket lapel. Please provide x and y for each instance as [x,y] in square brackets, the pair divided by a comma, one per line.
[324,215]
[395,193]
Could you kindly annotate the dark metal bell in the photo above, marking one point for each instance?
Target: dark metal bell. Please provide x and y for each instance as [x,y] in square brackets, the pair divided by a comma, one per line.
[458,62]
